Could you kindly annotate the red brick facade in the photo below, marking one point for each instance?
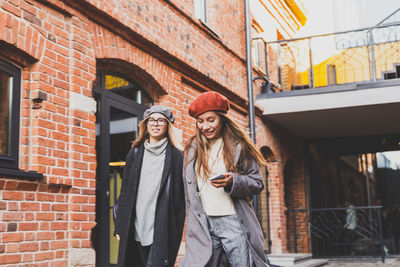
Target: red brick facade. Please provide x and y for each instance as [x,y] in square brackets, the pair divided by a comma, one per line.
[59,47]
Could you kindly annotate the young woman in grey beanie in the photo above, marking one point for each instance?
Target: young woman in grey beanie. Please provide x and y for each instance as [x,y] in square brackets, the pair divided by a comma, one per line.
[151,207]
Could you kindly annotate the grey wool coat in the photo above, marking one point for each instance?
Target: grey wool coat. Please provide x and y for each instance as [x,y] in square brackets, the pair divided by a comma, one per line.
[246,183]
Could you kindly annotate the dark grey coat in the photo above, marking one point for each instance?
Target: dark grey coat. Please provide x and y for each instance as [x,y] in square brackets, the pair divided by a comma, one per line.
[170,210]
[246,183]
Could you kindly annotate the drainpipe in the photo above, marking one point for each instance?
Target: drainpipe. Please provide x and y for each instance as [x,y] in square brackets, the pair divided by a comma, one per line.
[250,85]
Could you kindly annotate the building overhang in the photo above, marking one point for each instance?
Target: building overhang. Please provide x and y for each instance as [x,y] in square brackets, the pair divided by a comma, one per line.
[336,111]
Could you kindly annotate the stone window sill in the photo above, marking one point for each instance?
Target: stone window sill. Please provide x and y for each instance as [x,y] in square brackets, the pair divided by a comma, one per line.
[15,173]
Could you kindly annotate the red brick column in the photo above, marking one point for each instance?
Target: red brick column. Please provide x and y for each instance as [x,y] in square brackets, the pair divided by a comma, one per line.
[277,208]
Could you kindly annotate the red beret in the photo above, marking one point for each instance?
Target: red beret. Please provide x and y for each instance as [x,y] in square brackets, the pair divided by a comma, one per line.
[208,101]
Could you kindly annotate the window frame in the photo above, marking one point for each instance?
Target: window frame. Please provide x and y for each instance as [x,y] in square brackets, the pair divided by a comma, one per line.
[100,88]
[256,55]
[200,10]
[10,161]
[256,46]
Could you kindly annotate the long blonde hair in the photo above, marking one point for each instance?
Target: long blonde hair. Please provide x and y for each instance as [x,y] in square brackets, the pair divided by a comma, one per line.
[144,135]
[232,135]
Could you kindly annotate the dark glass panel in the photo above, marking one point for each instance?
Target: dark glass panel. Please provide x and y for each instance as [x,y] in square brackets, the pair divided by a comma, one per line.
[6,83]
[127,89]
[123,130]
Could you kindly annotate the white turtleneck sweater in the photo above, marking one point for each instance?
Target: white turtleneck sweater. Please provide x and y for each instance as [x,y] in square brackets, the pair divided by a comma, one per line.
[149,187]
[216,202]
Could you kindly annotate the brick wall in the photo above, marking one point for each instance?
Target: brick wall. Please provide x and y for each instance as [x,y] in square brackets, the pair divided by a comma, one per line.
[286,192]
[60,46]
[295,198]
[34,223]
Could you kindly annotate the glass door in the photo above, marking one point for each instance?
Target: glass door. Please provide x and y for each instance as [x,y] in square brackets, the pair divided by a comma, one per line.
[120,106]
[123,130]
[116,128]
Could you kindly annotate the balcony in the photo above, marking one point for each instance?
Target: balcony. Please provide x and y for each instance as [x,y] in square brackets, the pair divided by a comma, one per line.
[334,85]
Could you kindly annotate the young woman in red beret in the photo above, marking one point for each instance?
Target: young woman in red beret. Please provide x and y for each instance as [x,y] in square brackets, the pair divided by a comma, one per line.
[221,174]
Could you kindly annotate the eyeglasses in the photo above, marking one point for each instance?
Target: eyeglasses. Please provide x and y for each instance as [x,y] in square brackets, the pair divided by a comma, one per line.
[159,122]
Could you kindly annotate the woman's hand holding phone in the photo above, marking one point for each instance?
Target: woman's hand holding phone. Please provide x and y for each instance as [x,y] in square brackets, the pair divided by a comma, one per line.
[222,180]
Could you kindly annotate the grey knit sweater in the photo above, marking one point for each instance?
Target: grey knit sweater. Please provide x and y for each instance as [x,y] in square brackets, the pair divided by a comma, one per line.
[149,186]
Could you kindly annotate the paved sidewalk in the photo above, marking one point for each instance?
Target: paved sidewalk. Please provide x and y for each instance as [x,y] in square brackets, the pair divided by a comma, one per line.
[389,262]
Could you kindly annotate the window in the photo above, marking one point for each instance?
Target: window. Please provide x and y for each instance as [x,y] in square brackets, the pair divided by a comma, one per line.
[212,16]
[331,73]
[257,45]
[10,80]
[113,83]
[200,10]
[256,53]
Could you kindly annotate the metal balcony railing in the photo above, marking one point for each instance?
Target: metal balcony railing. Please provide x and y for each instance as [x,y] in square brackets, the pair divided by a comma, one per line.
[337,233]
[357,56]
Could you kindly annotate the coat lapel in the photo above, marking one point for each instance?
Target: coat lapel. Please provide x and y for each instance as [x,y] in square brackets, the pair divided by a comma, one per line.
[137,167]
[166,170]
[191,183]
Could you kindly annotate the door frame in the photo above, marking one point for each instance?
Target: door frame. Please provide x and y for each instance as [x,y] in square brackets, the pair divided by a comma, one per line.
[105,100]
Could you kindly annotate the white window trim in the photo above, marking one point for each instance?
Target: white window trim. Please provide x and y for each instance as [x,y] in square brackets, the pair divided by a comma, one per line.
[200,10]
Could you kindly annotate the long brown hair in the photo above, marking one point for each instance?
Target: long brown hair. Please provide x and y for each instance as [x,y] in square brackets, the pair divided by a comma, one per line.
[232,135]
[144,135]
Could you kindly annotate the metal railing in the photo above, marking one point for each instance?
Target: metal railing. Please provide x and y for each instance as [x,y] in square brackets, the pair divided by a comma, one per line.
[345,233]
[362,55]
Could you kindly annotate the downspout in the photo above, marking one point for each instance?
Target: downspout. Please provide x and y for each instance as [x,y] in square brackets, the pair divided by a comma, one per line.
[250,85]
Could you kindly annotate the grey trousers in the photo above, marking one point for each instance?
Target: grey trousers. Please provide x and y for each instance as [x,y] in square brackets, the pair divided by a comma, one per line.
[226,232]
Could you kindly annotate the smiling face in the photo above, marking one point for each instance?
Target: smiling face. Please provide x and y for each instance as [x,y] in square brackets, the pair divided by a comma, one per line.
[157,126]
[209,124]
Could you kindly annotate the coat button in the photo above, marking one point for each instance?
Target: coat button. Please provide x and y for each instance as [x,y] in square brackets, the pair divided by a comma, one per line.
[189,182]
[198,214]
[165,262]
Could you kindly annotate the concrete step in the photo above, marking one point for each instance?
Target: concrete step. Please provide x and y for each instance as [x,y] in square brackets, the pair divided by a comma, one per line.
[312,263]
[288,259]
[298,259]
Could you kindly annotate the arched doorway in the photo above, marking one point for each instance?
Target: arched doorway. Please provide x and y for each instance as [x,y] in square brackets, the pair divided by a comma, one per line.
[120,106]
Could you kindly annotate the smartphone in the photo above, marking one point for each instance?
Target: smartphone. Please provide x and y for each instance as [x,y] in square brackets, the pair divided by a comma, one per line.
[217,177]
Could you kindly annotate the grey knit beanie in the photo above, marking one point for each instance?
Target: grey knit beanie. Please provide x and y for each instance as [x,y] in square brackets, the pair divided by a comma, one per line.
[159,109]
